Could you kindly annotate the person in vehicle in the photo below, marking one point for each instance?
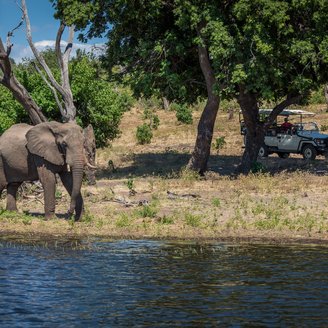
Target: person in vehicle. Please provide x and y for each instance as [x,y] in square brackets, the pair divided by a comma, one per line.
[286,126]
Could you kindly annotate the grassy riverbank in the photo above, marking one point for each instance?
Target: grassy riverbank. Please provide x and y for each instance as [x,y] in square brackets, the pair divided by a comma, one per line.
[148,194]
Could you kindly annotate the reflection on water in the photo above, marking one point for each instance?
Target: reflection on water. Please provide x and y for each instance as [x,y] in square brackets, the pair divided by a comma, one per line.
[150,283]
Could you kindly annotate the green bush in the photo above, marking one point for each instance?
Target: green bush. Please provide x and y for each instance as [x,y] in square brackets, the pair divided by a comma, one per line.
[219,143]
[149,114]
[324,127]
[317,97]
[104,111]
[183,113]
[258,167]
[144,134]
[11,112]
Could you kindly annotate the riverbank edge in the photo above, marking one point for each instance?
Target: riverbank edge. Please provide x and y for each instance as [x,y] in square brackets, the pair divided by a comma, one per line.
[31,238]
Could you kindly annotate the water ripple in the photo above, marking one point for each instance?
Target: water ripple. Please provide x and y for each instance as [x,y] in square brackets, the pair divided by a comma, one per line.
[157,284]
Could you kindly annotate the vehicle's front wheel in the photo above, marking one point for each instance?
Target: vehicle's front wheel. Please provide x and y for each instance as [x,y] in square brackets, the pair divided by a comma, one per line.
[263,151]
[283,155]
[309,152]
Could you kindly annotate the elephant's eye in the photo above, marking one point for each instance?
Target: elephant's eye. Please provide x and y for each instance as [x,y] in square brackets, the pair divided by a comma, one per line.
[64,144]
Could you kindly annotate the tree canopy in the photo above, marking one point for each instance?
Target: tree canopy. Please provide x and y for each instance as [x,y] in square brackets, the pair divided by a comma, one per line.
[255,50]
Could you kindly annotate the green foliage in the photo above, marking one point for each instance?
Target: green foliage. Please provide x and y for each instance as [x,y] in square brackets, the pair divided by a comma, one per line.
[317,96]
[219,143]
[166,220]
[258,167]
[183,113]
[147,211]
[11,111]
[152,117]
[98,102]
[324,127]
[144,134]
[263,50]
[87,217]
[123,221]
[131,186]
[216,202]
[193,220]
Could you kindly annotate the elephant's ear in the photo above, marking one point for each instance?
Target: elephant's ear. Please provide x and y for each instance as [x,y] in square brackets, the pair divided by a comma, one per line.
[41,141]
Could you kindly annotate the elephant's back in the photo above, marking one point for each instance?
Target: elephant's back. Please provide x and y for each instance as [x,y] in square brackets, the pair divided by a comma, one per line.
[15,135]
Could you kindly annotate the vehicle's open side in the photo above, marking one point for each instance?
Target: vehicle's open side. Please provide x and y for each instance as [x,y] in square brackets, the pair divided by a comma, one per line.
[295,137]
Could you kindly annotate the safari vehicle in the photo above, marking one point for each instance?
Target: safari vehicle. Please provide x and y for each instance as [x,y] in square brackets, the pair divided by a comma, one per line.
[301,138]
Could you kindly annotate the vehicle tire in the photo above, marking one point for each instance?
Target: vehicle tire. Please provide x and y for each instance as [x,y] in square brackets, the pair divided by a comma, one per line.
[309,152]
[263,151]
[283,155]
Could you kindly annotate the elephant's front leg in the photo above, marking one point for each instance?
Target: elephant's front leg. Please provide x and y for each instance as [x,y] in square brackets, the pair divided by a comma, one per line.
[48,181]
[11,196]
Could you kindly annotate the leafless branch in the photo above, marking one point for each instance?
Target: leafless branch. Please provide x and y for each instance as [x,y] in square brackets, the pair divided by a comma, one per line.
[64,89]
[19,92]
[51,88]
[35,51]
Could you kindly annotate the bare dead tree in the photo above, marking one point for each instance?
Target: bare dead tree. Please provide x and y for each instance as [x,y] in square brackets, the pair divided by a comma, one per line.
[63,88]
[8,79]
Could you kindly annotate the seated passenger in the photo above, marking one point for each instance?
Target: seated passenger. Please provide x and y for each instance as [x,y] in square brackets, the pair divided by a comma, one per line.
[286,125]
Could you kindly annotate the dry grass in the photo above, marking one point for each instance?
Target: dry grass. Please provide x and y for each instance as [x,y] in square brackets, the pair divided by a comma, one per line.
[287,203]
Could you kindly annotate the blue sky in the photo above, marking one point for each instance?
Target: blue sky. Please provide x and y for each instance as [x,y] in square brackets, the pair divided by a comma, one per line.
[44,27]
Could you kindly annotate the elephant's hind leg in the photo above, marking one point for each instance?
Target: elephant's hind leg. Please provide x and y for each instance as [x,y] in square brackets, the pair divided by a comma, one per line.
[3,182]
[11,196]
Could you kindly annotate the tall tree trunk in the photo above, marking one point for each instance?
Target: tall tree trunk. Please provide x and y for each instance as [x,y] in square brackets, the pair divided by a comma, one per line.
[201,153]
[255,129]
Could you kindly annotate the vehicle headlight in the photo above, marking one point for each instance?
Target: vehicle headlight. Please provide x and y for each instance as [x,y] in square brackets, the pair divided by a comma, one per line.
[320,141]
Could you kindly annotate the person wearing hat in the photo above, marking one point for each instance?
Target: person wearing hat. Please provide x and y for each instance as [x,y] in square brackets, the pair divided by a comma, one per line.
[286,125]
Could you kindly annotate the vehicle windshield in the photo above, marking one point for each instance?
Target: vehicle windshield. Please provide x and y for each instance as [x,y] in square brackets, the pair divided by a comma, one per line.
[308,126]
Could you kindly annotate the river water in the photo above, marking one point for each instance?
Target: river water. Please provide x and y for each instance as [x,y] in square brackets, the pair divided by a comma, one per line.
[163,284]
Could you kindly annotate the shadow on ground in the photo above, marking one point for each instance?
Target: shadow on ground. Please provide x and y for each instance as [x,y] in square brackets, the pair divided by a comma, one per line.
[170,163]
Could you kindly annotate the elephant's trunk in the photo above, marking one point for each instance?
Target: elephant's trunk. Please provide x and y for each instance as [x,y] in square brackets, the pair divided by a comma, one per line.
[76,198]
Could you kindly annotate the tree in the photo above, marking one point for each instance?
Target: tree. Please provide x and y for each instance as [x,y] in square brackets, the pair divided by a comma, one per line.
[8,79]
[253,50]
[161,53]
[280,57]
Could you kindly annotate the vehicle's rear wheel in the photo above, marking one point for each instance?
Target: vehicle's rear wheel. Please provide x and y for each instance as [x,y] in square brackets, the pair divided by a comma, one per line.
[309,152]
[283,155]
[263,151]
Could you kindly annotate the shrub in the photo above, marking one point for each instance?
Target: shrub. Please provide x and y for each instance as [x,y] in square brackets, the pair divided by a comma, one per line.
[219,143]
[193,220]
[144,134]
[258,167]
[147,211]
[183,113]
[11,112]
[149,114]
[317,97]
[324,127]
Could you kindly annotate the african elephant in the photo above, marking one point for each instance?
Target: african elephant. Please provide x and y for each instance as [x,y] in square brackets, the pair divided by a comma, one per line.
[29,153]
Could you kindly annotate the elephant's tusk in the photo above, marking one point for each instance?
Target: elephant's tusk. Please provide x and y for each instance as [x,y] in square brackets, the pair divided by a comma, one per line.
[91,166]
